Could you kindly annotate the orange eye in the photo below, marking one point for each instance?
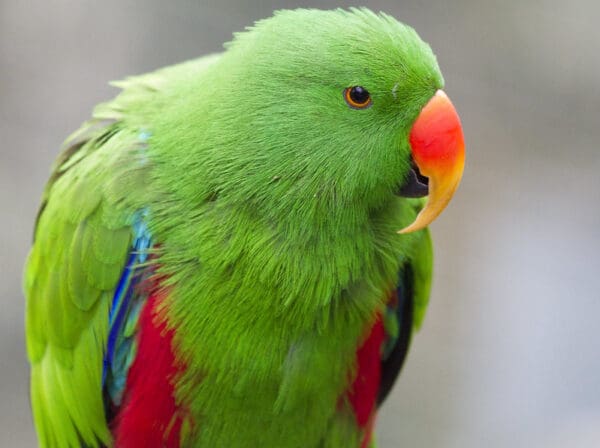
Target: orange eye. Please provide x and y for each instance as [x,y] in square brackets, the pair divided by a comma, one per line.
[357,97]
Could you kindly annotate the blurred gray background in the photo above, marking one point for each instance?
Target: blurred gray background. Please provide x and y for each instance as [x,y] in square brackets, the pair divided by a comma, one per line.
[509,355]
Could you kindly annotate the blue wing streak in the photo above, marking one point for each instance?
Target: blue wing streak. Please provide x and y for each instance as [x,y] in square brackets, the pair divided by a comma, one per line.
[123,315]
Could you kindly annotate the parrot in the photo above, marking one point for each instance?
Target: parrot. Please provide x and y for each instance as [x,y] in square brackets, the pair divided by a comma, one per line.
[234,251]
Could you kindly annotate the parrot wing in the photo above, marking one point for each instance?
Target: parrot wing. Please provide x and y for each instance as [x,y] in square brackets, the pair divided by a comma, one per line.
[405,312]
[84,277]
[86,246]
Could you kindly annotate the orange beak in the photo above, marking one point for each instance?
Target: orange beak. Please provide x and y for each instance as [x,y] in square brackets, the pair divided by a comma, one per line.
[438,150]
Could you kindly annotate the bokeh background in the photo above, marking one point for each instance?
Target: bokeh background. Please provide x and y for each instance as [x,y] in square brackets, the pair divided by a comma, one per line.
[509,355]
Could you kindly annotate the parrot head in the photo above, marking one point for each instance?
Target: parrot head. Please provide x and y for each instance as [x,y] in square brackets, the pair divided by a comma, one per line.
[342,109]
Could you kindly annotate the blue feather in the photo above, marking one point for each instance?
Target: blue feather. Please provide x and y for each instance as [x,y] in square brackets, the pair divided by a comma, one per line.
[124,311]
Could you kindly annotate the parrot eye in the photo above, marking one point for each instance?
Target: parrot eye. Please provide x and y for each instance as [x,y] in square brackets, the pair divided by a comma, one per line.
[357,97]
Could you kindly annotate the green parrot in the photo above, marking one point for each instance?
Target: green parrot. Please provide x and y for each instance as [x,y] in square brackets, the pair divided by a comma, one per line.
[217,259]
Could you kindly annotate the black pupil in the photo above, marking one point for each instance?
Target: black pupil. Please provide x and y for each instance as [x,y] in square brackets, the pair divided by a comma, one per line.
[359,95]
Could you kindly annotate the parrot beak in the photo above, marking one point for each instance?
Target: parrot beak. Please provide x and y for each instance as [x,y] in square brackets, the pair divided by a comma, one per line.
[438,153]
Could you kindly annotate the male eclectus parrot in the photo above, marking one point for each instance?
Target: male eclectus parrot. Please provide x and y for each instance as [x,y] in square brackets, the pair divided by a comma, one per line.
[217,261]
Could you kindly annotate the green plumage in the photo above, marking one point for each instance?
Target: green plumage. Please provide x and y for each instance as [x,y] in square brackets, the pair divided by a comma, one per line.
[273,205]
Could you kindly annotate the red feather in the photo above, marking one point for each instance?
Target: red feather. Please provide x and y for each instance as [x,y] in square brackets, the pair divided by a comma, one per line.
[363,391]
[149,416]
